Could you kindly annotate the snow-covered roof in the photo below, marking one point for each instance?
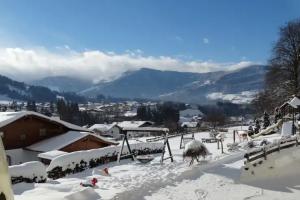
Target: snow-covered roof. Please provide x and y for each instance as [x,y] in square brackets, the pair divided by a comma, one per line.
[146,129]
[130,114]
[63,140]
[51,154]
[132,124]
[102,127]
[294,102]
[189,124]
[9,117]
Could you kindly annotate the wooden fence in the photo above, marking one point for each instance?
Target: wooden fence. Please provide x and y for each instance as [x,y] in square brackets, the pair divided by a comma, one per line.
[263,152]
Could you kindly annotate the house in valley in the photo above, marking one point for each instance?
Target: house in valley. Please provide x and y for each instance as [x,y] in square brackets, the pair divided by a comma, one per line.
[190,126]
[107,130]
[26,134]
[136,124]
[190,114]
[113,130]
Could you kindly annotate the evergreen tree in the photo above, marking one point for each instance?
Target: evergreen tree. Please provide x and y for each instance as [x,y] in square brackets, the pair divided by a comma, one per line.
[31,106]
[52,109]
[266,120]
[250,130]
[142,113]
[257,126]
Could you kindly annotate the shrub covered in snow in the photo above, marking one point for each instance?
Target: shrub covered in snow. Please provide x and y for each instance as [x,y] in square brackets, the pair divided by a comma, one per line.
[29,172]
[195,149]
[80,160]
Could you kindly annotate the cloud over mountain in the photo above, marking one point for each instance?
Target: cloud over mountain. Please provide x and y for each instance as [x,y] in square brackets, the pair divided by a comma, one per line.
[33,63]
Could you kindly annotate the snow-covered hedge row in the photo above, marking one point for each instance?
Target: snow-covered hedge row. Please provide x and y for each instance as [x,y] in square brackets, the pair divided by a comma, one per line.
[80,160]
[29,172]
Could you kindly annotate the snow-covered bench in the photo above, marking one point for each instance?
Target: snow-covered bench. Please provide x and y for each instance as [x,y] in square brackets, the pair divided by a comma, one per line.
[209,140]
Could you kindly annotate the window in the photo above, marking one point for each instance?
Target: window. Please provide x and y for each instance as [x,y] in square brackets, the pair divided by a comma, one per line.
[43,132]
[23,136]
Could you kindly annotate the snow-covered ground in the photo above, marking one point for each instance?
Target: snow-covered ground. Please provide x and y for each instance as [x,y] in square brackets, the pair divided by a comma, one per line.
[217,177]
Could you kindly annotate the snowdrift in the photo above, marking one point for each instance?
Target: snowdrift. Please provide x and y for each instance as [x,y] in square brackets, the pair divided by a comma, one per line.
[85,194]
[28,172]
[271,160]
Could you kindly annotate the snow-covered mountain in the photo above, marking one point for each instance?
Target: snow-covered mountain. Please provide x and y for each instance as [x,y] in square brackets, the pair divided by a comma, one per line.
[237,86]
[63,83]
[14,90]
[149,83]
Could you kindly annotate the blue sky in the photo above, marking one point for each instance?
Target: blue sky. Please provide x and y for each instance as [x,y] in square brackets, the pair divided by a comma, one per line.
[217,31]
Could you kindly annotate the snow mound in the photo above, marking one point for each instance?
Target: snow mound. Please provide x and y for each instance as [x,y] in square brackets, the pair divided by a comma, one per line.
[31,170]
[86,194]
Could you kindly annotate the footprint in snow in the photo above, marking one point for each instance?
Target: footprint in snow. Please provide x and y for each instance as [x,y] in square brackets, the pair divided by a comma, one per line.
[201,194]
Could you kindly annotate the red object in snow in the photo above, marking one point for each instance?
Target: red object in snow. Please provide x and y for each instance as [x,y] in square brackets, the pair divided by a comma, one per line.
[94,181]
[90,183]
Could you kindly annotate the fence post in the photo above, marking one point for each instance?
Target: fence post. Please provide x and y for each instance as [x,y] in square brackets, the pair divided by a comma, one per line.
[265,154]
[233,136]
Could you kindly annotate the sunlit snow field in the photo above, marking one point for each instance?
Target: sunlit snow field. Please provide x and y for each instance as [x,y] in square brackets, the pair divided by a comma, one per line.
[216,177]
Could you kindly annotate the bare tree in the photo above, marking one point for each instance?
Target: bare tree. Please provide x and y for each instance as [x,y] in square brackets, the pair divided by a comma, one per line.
[283,77]
[264,101]
[215,117]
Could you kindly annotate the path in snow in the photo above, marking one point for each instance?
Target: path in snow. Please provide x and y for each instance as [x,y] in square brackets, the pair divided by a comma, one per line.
[190,174]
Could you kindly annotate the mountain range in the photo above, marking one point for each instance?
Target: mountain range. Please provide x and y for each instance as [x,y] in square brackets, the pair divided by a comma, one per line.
[63,83]
[237,86]
[14,90]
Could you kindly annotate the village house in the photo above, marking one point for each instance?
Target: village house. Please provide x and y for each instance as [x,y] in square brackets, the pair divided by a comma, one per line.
[190,114]
[113,130]
[27,134]
[136,124]
[107,130]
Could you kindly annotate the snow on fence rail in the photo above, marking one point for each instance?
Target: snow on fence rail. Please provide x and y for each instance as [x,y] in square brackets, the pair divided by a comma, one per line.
[162,137]
[262,152]
[78,161]
[29,172]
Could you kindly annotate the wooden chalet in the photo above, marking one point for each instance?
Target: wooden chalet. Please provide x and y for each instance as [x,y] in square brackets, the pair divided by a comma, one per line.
[26,134]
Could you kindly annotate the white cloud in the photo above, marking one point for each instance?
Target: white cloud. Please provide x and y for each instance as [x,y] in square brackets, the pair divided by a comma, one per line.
[205,40]
[178,38]
[29,64]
